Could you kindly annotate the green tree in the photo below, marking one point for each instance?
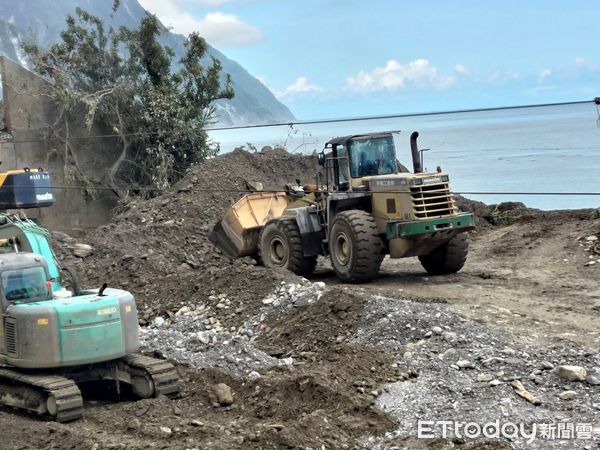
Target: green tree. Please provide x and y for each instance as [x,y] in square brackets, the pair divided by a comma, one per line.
[126,83]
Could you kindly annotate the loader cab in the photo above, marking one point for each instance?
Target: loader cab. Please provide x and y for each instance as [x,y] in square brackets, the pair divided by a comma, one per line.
[352,158]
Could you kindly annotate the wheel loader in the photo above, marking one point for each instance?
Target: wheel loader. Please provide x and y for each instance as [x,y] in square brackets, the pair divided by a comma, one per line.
[51,338]
[364,205]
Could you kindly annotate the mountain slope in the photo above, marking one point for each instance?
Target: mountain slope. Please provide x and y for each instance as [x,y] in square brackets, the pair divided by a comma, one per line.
[42,20]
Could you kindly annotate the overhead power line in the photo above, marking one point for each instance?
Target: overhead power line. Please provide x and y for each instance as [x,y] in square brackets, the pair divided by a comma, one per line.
[595,101]
[192,190]
[529,193]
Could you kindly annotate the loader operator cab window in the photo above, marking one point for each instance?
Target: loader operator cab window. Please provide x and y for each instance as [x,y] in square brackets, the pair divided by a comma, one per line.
[25,285]
[343,167]
[375,156]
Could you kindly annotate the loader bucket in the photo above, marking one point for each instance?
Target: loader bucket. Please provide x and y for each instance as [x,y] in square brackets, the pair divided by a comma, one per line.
[238,232]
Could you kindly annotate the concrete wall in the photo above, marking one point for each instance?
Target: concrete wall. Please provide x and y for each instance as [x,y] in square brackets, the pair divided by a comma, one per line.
[8,156]
[29,116]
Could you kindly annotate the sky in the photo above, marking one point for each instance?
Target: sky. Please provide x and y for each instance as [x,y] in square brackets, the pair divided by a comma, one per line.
[349,58]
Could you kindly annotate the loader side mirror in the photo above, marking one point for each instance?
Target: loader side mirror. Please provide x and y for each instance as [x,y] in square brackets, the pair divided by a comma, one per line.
[321,158]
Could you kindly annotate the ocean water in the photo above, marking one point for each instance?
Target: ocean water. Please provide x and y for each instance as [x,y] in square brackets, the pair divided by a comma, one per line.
[540,149]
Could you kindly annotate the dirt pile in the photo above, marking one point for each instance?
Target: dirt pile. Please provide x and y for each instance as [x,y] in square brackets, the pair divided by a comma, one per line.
[496,214]
[291,363]
[313,327]
[160,250]
[507,213]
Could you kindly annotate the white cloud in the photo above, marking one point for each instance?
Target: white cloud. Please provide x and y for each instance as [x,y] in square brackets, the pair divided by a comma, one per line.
[209,2]
[578,69]
[228,30]
[300,86]
[544,74]
[542,89]
[461,69]
[212,2]
[394,76]
[217,28]
[502,75]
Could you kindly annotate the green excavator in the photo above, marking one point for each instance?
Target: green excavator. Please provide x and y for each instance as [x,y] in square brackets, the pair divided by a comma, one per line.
[54,336]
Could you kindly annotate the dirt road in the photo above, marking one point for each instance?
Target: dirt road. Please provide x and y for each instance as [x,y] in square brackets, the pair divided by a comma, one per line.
[529,277]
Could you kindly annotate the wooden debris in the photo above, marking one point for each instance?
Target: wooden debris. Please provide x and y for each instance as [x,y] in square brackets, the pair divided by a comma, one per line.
[522,392]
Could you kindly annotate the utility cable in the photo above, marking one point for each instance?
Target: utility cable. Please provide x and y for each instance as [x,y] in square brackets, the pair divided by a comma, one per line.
[595,101]
[399,116]
[217,190]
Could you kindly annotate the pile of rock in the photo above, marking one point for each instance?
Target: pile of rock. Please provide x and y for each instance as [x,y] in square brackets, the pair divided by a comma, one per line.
[590,245]
[193,339]
[196,335]
[288,296]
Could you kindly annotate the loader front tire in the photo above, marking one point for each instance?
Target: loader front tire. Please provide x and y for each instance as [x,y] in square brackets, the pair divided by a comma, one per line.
[449,258]
[355,247]
[281,247]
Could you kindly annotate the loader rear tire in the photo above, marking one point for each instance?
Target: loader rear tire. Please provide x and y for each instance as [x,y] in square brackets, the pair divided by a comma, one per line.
[281,247]
[449,258]
[355,247]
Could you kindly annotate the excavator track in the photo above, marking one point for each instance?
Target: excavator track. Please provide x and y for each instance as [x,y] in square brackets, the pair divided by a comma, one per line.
[56,396]
[151,377]
[59,397]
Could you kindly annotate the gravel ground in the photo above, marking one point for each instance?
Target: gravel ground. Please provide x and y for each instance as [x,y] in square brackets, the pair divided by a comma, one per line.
[195,335]
[466,369]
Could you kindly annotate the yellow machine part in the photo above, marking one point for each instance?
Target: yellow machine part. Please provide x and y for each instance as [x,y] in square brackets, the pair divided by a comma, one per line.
[4,175]
[237,234]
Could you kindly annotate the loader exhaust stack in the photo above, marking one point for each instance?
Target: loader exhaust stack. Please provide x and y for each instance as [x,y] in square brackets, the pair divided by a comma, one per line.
[414,148]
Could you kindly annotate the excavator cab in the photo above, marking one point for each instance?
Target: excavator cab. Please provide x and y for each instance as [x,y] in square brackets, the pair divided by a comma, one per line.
[24,278]
[29,284]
